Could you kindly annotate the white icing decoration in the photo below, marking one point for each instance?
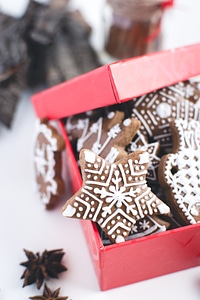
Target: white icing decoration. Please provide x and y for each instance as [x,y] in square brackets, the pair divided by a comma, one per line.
[140,144]
[163,110]
[127,122]
[144,158]
[69,211]
[89,156]
[119,239]
[163,208]
[185,183]
[44,162]
[110,115]
[112,155]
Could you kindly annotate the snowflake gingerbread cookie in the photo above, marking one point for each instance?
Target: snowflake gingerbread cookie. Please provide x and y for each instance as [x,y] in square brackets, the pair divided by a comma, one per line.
[115,195]
[157,109]
[47,162]
[179,172]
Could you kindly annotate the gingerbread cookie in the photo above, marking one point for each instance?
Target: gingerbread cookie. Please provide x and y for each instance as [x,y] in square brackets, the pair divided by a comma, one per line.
[77,124]
[107,136]
[115,195]
[179,172]
[140,143]
[47,163]
[157,109]
[144,227]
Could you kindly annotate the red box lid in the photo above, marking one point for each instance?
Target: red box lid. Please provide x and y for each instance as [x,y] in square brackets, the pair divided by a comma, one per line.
[118,82]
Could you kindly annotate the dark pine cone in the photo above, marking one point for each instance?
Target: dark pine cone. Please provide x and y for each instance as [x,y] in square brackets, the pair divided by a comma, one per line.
[42,267]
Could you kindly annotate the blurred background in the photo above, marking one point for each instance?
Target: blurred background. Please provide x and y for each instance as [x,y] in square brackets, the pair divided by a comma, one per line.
[44,43]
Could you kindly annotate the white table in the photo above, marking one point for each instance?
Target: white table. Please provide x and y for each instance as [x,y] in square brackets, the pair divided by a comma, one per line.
[24,223]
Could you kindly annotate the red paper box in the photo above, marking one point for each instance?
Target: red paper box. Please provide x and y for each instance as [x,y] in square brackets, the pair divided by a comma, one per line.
[154,255]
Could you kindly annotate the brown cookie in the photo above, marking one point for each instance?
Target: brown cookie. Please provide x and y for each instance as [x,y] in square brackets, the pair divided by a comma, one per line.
[157,109]
[179,172]
[76,125]
[143,227]
[140,143]
[115,195]
[109,136]
[47,162]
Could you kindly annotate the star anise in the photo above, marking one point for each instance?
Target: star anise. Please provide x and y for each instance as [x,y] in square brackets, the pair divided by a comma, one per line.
[49,295]
[40,267]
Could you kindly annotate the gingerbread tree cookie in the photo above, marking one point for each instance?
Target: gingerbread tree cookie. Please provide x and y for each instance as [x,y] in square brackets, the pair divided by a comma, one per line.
[47,162]
[157,109]
[179,172]
[115,195]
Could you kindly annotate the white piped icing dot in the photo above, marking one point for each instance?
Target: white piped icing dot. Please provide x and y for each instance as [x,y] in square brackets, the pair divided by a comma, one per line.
[119,239]
[163,110]
[111,115]
[127,122]
[89,156]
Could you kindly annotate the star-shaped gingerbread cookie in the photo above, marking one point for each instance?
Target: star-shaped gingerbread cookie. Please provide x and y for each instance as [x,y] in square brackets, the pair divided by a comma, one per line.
[143,227]
[47,162]
[115,195]
[179,172]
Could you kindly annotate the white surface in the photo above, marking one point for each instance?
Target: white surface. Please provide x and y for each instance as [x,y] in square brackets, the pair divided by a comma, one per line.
[25,224]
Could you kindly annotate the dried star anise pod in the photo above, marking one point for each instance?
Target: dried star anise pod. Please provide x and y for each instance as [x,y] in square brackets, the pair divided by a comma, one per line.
[42,267]
[49,295]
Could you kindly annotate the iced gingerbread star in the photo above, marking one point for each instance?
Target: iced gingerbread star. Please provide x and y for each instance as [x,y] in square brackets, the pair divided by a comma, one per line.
[115,195]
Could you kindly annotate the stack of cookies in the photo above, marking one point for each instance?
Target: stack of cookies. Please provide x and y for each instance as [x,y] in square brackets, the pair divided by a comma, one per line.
[140,163]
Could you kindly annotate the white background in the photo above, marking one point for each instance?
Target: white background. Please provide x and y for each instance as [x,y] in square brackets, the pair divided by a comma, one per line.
[24,223]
